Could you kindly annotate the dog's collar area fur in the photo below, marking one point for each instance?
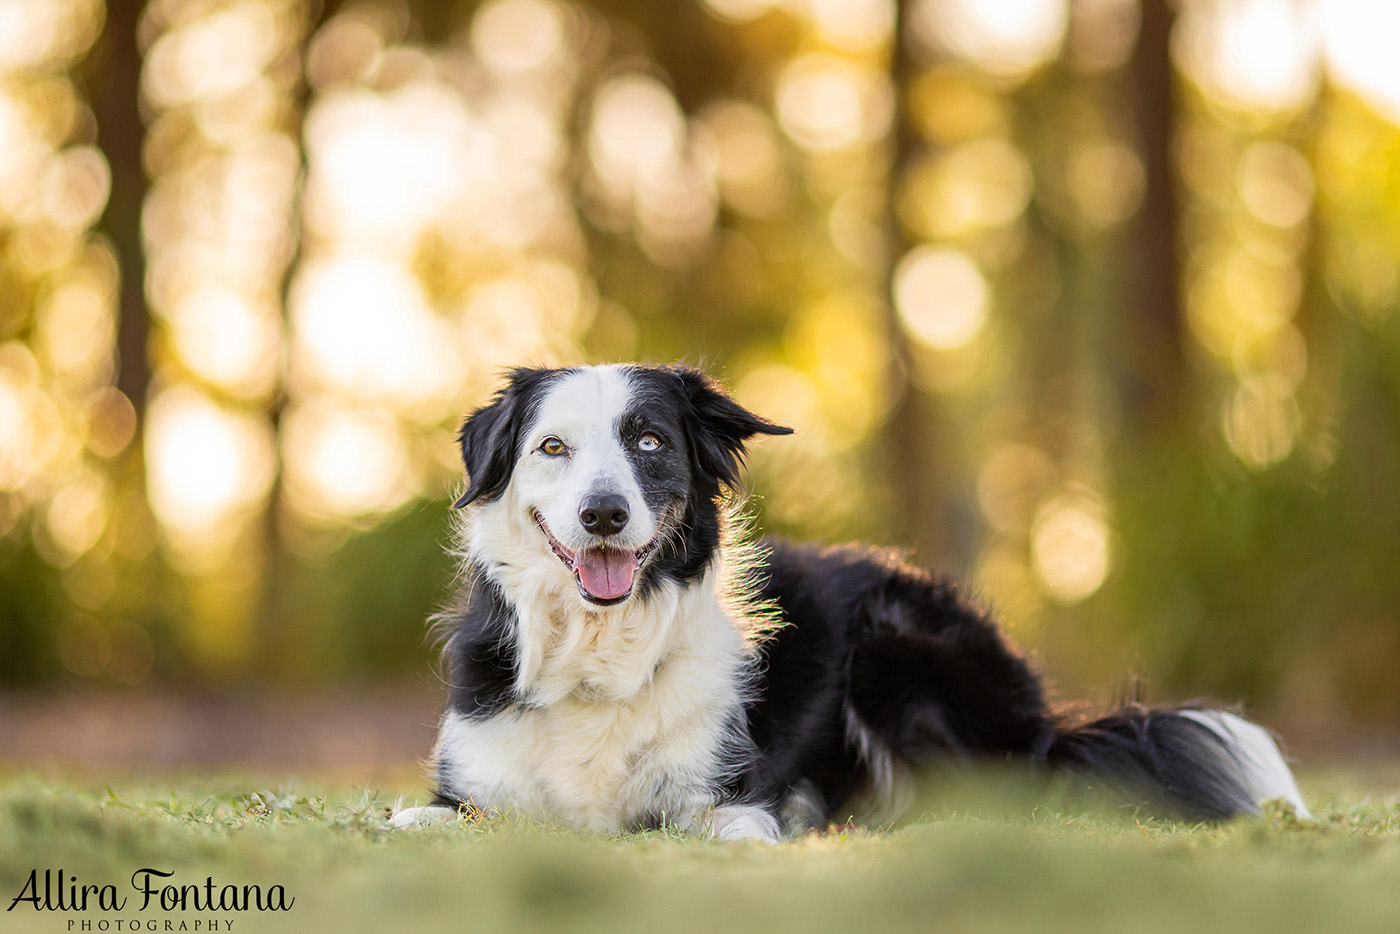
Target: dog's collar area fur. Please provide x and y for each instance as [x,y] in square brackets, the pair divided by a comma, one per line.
[574,559]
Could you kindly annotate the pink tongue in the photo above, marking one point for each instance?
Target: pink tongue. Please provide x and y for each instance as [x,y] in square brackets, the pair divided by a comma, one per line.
[605,572]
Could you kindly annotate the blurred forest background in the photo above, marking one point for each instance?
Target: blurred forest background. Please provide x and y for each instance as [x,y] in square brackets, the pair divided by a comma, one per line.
[1093,304]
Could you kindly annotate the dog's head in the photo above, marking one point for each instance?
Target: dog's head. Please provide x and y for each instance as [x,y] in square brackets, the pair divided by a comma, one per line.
[615,470]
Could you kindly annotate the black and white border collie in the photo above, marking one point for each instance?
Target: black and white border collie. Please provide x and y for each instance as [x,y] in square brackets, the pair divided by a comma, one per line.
[618,662]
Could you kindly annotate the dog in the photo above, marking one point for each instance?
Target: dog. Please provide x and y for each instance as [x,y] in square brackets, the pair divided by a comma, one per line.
[619,660]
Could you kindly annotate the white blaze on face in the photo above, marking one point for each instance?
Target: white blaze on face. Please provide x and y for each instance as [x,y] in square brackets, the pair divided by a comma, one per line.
[583,410]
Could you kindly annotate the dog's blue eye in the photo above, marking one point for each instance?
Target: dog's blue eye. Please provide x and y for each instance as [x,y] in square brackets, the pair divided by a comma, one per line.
[649,442]
[552,447]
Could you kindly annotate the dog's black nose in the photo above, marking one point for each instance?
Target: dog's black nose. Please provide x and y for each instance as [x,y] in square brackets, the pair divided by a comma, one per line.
[604,513]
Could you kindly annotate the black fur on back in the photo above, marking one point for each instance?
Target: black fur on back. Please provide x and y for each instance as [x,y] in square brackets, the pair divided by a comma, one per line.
[929,678]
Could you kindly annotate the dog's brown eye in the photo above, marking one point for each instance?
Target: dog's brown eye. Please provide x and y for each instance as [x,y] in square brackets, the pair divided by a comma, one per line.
[649,442]
[553,447]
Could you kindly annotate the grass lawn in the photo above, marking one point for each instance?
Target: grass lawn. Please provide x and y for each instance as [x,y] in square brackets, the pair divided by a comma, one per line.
[962,863]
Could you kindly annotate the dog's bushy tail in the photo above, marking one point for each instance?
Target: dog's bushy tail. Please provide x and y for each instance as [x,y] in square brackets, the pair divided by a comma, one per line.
[1200,763]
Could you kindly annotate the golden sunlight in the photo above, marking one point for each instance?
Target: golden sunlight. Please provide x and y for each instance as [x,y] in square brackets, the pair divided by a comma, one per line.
[852,25]
[361,326]
[208,466]
[213,55]
[750,169]
[1358,41]
[1262,420]
[1009,38]
[827,103]
[344,461]
[217,245]
[1276,184]
[978,185]
[38,34]
[1070,545]
[228,339]
[637,131]
[941,297]
[1259,54]
[517,36]
[386,164]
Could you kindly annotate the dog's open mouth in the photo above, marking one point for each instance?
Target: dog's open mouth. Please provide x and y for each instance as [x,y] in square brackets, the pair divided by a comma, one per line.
[605,575]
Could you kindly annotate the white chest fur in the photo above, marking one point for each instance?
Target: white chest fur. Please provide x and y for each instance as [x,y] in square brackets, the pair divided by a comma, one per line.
[627,713]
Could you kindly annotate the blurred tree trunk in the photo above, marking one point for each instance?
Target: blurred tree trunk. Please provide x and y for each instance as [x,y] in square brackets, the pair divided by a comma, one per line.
[116,105]
[1155,355]
[910,441]
[697,53]
[436,18]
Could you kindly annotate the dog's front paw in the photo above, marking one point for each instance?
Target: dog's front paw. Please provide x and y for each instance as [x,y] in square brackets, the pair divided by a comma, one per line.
[422,817]
[744,822]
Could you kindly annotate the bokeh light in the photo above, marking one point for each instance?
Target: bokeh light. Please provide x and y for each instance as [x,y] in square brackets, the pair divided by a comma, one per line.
[1012,483]
[345,461]
[1107,180]
[517,36]
[208,465]
[385,165]
[1356,40]
[1262,420]
[60,417]
[1070,546]
[227,341]
[1005,37]
[1276,184]
[362,326]
[440,242]
[637,132]
[750,169]
[941,297]
[828,103]
[979,185]
[37,37]
[1251,53]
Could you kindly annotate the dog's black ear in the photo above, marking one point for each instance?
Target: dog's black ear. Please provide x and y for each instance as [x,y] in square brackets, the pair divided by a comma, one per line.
[491,435]
[719,426]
